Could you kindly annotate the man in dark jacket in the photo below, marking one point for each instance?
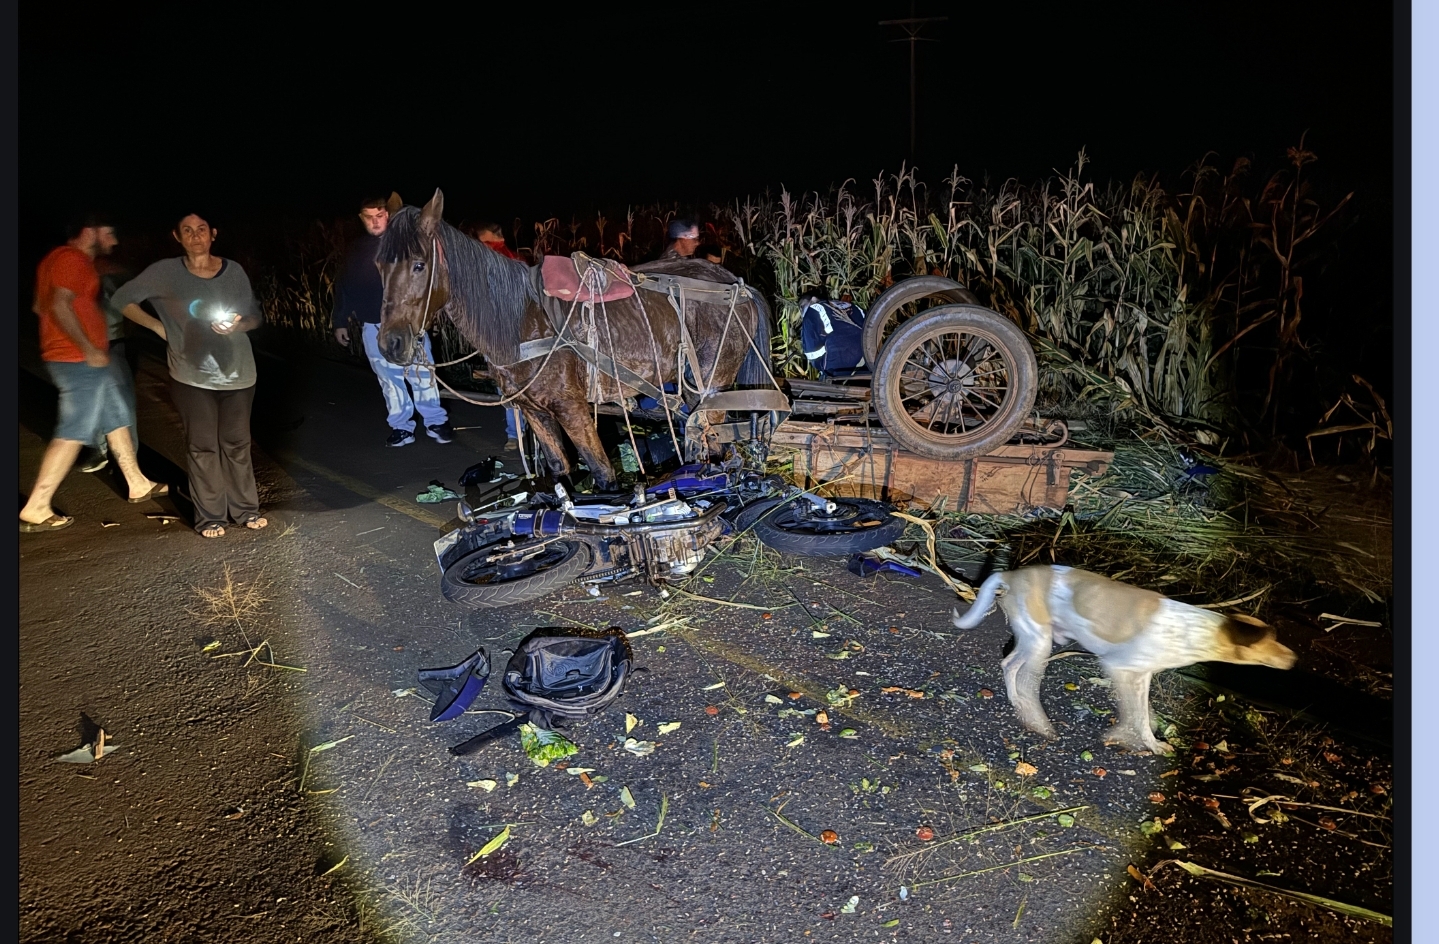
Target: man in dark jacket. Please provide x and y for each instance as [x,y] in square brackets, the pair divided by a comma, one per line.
[831,334]
[358,296]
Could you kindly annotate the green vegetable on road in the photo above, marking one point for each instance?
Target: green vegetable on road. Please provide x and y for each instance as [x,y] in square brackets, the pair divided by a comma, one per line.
[542,746]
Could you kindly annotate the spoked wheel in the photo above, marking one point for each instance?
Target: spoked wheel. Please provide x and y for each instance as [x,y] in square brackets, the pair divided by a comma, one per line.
[796,526]
[500,576]
[903,301]
[955,382]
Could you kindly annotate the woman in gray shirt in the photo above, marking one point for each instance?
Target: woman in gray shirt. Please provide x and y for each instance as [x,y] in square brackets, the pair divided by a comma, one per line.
[206,306]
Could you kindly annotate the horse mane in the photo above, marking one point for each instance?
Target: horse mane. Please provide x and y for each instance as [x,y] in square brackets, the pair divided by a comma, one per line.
[401,238]
[487,291]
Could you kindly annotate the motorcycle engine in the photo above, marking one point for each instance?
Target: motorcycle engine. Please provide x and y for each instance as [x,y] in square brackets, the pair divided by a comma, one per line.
[676,554]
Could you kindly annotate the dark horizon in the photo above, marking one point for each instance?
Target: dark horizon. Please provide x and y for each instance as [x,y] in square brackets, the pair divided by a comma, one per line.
[530,119]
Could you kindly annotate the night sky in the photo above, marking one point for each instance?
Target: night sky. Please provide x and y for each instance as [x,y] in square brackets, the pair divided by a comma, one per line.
[278,115]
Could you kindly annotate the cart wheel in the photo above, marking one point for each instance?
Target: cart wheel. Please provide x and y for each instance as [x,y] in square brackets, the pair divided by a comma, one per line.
[901,302]
[955,382]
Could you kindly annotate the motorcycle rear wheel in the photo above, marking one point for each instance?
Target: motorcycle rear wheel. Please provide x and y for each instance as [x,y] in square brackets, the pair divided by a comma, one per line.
[485,579]
[797,527]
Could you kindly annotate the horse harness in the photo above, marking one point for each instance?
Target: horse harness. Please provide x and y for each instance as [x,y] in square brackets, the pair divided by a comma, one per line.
[677,290]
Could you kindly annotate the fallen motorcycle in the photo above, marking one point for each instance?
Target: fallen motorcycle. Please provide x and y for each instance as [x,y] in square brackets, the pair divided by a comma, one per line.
[660,534]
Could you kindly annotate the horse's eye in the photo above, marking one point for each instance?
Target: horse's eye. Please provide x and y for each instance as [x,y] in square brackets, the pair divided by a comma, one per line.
[419,267]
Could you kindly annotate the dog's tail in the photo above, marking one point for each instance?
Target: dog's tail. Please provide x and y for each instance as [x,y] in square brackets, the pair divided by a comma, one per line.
[984,603]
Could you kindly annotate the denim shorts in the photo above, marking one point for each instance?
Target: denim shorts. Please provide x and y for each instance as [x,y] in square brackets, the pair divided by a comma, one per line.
[92,403]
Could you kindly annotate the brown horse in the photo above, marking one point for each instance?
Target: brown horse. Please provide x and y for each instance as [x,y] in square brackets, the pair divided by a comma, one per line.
[428,267]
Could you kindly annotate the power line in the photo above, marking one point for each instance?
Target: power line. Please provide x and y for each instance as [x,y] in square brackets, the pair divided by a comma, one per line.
[911,26]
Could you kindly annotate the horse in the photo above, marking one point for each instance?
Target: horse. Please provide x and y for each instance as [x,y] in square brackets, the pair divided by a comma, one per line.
[428,267]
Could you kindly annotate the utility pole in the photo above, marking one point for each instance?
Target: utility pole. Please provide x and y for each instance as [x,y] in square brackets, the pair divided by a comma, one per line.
[911,26]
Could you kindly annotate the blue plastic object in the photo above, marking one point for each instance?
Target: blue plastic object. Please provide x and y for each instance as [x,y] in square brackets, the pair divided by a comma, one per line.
[455,688]
[688,479]
[862,566]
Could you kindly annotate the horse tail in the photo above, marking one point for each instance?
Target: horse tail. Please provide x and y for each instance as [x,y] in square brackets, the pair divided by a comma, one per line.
[756,370]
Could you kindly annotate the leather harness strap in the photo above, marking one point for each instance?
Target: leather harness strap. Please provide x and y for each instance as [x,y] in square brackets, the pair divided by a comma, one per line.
[675,288]
[529,350]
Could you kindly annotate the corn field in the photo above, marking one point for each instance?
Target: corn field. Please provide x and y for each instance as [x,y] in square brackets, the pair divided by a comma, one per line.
[1131,296]
[1140,303]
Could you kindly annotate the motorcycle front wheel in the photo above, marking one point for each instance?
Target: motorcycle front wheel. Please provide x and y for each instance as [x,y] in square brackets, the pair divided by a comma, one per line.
[796,526]
[497,576]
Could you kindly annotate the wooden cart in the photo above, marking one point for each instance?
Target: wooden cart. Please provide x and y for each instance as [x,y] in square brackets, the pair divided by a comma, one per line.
[1017,478]
[943,420]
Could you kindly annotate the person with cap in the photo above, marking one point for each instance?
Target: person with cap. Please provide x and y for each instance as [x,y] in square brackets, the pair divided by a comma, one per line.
[831,334]
[684,237]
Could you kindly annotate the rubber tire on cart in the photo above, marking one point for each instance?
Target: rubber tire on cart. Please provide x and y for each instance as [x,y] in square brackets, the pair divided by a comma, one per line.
[795,526]
[900,294]
[558,567]
[1009,346]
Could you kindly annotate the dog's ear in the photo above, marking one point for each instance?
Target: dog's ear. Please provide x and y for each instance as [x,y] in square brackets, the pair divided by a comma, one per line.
[1249,641]
[1241,630]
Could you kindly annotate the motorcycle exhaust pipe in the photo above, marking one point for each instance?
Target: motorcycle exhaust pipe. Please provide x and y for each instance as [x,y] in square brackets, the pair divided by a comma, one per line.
[554,523]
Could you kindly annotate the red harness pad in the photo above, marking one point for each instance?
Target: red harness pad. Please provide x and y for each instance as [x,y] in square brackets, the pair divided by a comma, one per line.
[607,281]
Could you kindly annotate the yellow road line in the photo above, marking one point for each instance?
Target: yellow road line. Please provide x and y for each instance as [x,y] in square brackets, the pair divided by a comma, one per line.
[365,491]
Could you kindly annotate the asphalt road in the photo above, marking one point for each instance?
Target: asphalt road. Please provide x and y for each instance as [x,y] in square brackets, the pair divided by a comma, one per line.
[315,801]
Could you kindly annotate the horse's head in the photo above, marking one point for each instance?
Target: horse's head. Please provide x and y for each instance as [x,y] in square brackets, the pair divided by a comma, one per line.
[416,282]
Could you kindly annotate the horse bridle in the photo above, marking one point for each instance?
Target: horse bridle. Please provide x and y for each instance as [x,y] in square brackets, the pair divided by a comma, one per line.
[429,293]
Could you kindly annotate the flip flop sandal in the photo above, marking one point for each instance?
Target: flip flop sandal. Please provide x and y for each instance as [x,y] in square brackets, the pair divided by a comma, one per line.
[159,490]
[219,532]
[250,522]
[52,523]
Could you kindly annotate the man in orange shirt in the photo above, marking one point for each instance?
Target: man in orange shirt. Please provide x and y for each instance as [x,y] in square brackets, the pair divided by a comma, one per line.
[75,347]
[494,237]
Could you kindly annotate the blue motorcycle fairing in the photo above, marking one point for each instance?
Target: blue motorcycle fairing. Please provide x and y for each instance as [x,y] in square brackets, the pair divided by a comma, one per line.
[689,478]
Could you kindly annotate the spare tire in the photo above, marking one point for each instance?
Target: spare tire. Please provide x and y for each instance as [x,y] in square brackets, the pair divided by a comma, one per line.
[886,308]
[955,382]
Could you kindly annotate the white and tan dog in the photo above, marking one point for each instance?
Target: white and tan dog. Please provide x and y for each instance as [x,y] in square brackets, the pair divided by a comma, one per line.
[1134,632]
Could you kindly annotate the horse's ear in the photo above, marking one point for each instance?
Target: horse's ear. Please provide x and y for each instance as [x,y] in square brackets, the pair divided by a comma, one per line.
[433,212]
[394,203]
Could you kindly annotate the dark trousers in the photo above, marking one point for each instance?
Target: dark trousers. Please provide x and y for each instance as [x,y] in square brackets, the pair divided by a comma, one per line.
[217,428]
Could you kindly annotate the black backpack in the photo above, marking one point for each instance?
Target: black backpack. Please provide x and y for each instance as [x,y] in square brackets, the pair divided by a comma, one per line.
[557,675]
[566,675]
